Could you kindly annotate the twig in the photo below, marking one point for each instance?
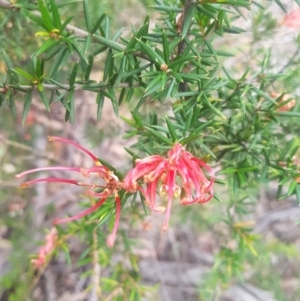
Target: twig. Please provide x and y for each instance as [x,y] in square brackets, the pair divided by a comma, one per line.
[27,148]
[68,87]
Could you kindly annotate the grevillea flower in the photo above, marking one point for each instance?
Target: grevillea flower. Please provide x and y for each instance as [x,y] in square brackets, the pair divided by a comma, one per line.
[46,249]
[111,187]
[180,175]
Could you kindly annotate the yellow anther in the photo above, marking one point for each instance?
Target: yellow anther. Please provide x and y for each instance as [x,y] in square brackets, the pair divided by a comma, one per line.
[176,192]
[163,190]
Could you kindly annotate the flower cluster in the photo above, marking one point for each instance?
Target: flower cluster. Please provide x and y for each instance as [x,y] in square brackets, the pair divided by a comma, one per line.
[46,249]
[180,175]
[111,187]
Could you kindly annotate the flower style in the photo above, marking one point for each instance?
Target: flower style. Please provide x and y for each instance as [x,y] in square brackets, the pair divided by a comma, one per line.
[179,176]
[111,187]
[46,249]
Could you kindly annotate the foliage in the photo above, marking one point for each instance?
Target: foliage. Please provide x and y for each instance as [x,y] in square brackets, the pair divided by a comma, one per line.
[179,88]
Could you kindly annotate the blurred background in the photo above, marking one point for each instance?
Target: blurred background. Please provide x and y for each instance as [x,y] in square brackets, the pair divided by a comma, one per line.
[184,263]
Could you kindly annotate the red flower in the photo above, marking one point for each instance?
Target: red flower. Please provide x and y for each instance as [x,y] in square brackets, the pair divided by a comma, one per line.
[178,176]
[111,187]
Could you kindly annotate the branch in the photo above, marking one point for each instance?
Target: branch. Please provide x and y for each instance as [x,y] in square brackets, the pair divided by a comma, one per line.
[24,147]
[66,87]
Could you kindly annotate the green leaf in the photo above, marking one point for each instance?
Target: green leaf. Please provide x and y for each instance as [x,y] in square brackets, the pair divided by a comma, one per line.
[177,77]
[87,15]
[100,103]
[89,67]
[181,60]
[159,136]
[142,32]
[164,79]
[98,23]
[211,49]
[12,104]
[45,15]
[189,139]
[45,100]
[23,74]
[40,87]
[107,27]
[58,62]
[87,44]
[71,102]
[64,25]
[153,85]
[39,68]
[171,90]
[55,14]
[122,95]
[38,20]
[187,22]
[288,114]
[116,172]
[49,44]
[213,108]
[292,187]
[121,71]
[109,43]
[58,84]
[60,96]
[155,57]
[109,65]
[79,51]
[26,108]
[234,2]
[111,95]
[171,129]
[166,48]
[73,75]
[7,60]
[281,5]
